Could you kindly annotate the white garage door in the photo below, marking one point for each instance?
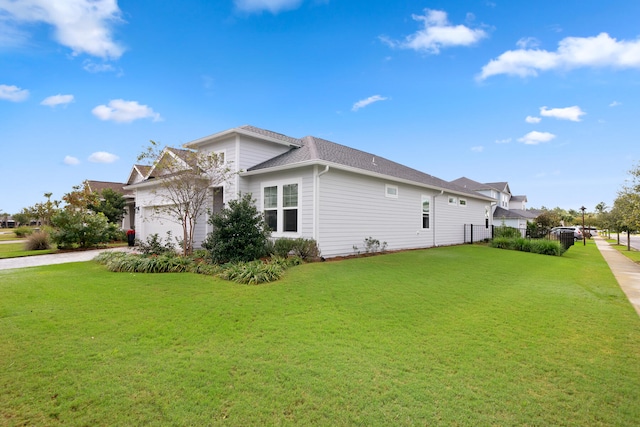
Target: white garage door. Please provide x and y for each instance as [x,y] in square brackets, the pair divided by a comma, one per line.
[157,222]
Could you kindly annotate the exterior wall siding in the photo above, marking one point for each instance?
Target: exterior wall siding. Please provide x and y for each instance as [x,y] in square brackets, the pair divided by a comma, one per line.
[253,184]
[353,207]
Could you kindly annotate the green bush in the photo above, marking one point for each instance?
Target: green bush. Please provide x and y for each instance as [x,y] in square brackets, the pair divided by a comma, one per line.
[79,229]
[252,273]
[154,245]
[134,263]
[239,234]
[282,247]
[501,243]
[38,241]
[306,249]
[23,231]
[547,247]
[505,231]
[536,246]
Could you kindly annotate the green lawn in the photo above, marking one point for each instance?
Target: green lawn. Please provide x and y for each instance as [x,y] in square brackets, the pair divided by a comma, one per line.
[14,250]
[7,235]
[465,335]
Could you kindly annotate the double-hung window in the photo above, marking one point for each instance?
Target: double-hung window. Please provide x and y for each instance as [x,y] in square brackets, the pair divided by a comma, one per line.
[281,207]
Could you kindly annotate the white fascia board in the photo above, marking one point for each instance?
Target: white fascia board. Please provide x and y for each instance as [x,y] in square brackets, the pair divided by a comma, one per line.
[362,172]
[216,136]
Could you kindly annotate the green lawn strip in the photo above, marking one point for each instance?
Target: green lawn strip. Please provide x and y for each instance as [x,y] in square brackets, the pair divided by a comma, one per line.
[8,235]
[465,335]
[15,250]
[632,254]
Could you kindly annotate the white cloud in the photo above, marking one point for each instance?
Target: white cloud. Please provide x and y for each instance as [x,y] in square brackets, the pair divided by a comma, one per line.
[568,113]
[535,138]
[70,160]
[92,67]
[370,100]
[531,119]
[503,141]
[273,6]
[477,149]
[103,157]
[437,33]
[58,99]
[13,93]
[122,111]
[528,42]
[82,25]
[615,104]
[573,52]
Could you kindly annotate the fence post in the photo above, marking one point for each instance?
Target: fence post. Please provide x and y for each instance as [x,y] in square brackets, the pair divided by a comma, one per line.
[471,233]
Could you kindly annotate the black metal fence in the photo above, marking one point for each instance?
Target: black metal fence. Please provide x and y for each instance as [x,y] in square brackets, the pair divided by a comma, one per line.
[483,233]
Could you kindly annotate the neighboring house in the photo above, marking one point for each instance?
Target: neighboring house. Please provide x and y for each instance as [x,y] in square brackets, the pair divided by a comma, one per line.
[129,217]
[507,209]
[313,188]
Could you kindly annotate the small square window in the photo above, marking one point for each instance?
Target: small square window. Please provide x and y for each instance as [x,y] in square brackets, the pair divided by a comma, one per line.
[391,191]
[453,200]
[462,202]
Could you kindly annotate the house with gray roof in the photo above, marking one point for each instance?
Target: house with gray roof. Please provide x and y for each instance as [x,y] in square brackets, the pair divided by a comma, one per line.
[313,188]
[507,209]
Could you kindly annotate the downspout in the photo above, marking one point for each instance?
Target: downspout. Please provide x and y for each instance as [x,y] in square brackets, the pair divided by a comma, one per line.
[434,217]
[316,202]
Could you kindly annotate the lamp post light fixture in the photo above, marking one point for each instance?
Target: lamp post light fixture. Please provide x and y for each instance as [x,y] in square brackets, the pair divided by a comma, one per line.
[584,238]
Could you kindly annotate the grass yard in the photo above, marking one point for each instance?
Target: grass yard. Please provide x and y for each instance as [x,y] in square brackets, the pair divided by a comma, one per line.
[465,336]
[632,254]
[7,235]
[15,250]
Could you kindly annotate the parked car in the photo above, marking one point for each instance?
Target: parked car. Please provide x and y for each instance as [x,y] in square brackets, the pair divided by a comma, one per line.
[577,233]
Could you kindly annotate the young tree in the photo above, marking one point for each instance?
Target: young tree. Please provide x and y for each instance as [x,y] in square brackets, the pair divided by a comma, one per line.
[240,232]
[112,204]
[23,217]
[185,181]
[44,211]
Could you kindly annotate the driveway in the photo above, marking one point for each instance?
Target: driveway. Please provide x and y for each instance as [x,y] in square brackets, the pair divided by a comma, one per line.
[61,258]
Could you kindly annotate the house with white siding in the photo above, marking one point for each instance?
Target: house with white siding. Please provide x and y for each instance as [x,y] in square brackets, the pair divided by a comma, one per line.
[508,209]
[313,188]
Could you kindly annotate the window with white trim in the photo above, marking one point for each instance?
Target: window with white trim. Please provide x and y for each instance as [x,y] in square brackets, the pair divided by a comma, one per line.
[453,200]
[462,202]
[426,210]
[280,204]
[391,191]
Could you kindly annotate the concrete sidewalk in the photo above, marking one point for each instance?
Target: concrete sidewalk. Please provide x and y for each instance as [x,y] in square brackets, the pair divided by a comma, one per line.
[61,258]
[626,272]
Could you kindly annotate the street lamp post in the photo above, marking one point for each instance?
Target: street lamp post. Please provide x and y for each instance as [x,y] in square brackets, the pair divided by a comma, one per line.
[584,237]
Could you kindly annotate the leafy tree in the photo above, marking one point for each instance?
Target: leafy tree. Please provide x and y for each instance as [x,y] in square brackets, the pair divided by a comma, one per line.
[240,232]
[185,179]
[626,207]
[112,204]
[82,229]
[44,211]
[81,198]
[23,217]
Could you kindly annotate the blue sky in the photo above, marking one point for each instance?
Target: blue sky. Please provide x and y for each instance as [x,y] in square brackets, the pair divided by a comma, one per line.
[544,95]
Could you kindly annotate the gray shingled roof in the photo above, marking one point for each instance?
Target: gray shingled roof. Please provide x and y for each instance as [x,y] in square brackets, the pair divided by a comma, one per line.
[271,134]
[317,149]
[513,213]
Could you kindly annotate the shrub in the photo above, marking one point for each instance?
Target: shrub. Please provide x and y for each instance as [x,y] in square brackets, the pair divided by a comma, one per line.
[547,247]
[133,263]
[505,231]
[252,273]
[282,247]
[306,249]
[155,246]
[501,243]
[38,241]
[23,231]
[79,229]
[239,233]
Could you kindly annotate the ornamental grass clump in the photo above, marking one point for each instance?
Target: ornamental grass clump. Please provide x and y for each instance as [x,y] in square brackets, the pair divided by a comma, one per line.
[38,241]
[252,273]
[536,246]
